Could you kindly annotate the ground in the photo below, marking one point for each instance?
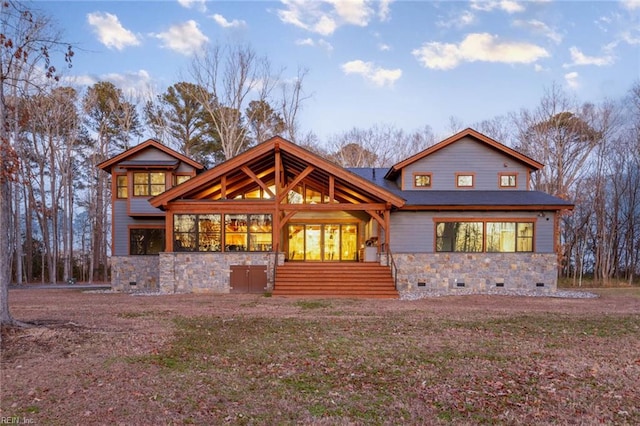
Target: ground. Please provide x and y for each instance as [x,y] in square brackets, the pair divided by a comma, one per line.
[101,358]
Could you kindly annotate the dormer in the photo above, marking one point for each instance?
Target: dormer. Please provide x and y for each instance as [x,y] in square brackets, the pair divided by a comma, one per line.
[465,161]
[145,171]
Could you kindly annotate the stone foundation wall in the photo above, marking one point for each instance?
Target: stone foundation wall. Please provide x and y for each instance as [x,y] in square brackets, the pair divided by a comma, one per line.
[135,273]
[481,272]
[207,272]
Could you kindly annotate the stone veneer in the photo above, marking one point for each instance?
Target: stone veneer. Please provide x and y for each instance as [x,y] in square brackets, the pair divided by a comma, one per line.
[208,272]
[135,273]
[479,272]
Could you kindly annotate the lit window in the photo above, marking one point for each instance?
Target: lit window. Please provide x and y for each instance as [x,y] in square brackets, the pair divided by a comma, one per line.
[181,179]
[459,236]
[464,180]
[148,183]
[121,187]
[197,232]
[508,181]
[422,180]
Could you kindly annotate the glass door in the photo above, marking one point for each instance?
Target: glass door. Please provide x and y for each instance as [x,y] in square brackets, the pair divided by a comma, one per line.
[349,236]
[312,242]
[331,242]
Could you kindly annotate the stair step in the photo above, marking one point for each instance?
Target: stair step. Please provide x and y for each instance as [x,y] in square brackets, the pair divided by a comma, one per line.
[369,280]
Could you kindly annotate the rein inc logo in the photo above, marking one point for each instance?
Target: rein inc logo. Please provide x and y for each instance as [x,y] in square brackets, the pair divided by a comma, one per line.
[16,420]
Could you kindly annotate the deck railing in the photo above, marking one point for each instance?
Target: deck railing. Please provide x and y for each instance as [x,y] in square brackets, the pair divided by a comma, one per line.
[391,263]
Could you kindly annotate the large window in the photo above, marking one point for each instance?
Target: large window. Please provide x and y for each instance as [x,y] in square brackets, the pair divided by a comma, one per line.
[146,241]
[206,232]
[459,236]
[502,237]
[197,232]
[148,183]
[121,187]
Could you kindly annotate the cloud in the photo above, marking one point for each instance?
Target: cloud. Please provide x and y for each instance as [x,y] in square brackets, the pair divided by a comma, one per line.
[197,4]
[384,10]
[572,80]
[477,47]
[384,47]
[110,31]
[222,21]
[183,38]
[459,20]
[325,16]
[509,6]
[631,4]
[378,76]
[310,42]
[134,84]
[539,27]
[580,58]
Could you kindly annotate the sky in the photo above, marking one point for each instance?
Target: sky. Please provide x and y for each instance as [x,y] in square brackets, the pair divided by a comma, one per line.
[408,64]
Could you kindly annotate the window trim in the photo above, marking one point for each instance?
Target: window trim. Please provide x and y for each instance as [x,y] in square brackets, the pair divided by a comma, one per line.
[515,180]
[426,174]
[484,221]
[460,174]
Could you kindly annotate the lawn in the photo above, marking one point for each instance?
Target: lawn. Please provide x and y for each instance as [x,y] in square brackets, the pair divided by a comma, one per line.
[204,359]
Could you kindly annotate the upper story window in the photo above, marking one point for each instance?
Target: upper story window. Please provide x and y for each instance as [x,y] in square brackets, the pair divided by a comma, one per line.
[422,180]
[148,183]
[122,190]
[178,179]
[508,180]
[465,180]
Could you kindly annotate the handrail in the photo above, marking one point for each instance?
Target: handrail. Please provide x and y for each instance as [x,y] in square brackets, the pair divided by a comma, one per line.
[391,263]
[275,265]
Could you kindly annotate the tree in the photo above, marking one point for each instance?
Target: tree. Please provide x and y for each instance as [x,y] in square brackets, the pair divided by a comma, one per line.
[112,121]
[263,121]
[27,41]
[180,120]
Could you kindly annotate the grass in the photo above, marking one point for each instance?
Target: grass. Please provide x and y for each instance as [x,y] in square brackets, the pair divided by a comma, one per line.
[365,371]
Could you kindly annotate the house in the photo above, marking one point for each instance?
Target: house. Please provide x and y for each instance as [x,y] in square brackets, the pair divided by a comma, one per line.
[458,215]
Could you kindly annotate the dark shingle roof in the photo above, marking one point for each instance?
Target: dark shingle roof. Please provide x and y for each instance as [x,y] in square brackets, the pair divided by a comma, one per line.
[462,198]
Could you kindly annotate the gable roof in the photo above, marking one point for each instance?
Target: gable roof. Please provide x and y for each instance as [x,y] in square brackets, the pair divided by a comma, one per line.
[149,143]
[395,169]
[260,154]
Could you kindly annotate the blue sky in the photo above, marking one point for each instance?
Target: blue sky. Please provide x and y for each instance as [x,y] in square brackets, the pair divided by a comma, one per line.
[404,63]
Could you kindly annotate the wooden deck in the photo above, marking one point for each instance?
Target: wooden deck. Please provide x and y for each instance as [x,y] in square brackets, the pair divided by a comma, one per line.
[329,279]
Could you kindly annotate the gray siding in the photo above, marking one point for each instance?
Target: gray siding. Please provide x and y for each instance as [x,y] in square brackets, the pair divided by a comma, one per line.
[466,155]
[413,232]
[121,223]
[139,205]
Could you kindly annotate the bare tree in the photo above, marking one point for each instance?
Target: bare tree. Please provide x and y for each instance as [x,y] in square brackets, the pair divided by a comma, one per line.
[229,78]
[26,41]
[292,97]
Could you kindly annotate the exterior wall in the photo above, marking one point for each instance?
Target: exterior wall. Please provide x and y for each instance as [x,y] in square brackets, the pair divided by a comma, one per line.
[466,155]
[141,206]
[208,272]
[413,232]
[480,272]
[121,223]
[141,270]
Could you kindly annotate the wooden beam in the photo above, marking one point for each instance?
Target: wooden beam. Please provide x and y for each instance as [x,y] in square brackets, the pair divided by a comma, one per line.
[296,181]
[332,188]
[255,178]
[332,207]
[223,187]
[286,219]
[376,217]
[168,232]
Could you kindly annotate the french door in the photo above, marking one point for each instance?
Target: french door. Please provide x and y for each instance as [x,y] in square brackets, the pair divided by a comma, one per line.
[323,242]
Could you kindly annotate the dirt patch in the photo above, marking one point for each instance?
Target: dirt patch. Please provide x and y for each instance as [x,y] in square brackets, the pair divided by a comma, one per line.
[207,359]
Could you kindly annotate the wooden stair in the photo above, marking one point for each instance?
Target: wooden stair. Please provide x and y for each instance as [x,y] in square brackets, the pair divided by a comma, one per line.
[333,279]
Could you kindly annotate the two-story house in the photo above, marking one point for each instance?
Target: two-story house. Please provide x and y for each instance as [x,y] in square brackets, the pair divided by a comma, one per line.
[458,215]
